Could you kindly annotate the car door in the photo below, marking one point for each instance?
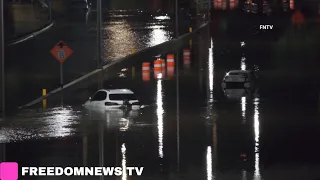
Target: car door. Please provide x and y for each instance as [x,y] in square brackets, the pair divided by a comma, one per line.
[99,99]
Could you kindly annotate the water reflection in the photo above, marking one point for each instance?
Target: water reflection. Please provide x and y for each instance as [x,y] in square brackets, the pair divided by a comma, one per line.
[124,124]
[124,161]
[243,108]
[59,122]
[209,163]
[158,36]
[243,63]
[257,175]
[121,40]
[160,112]
[244,175]
[244,98]
[211,71]
[54,122]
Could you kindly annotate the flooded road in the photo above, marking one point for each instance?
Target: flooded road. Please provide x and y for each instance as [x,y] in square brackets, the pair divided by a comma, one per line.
[34,67]
[202,132]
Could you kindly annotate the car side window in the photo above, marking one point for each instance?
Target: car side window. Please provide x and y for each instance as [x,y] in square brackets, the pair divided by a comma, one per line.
[99,96]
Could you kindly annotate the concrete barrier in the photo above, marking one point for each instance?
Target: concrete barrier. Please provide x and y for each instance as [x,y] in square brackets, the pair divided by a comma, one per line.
[115,66]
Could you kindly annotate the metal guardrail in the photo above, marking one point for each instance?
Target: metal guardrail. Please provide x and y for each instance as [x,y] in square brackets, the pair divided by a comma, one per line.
[30,36]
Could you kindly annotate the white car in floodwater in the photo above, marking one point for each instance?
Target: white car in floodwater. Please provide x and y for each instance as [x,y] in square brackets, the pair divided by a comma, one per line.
[108,99]
[238,79]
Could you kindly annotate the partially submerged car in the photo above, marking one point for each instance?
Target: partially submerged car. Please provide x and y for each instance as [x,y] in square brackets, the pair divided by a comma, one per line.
[237,79]
[108,99]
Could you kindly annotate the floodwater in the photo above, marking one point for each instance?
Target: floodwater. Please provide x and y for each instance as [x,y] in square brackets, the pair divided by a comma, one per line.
[201,132]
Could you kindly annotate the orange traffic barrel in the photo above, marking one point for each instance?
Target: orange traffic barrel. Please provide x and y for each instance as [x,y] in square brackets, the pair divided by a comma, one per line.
[186,58]
[170,60]
[157,68]
[146,71]
[186,54]
[146,67]
[291,4]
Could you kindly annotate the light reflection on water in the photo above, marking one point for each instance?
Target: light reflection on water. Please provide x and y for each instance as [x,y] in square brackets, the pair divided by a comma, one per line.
[121,40]
[209,164]
[158,36]
[244,175]
[256,123]
[243,63]
[243,108]
[120,36]
[243,66]
[54,122]
[124,161]
[211,71]
[160,112]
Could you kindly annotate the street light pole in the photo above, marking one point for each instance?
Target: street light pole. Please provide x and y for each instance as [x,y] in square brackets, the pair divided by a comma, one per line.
[50,11]
[177,84]
[99,25]
[2,59]
[99,21]
[176,17]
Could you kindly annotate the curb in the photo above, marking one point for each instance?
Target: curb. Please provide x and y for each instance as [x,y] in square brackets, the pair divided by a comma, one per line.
[114,63]
[30,36]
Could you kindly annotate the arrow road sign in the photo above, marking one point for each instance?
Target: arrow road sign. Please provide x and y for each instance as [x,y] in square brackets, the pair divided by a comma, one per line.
[61,52]
[61,44]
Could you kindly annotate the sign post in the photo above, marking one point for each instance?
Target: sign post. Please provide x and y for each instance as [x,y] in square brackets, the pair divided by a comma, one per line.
[61,74]
[61,52]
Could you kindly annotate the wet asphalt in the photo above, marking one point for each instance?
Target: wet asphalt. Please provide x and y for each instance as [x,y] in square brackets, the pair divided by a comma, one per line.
[199,132]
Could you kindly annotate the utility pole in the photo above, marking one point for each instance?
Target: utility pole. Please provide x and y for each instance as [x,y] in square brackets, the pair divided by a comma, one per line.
[2,59]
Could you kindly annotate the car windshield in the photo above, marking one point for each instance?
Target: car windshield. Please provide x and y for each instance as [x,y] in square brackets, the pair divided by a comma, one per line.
[122,97]
[238,74]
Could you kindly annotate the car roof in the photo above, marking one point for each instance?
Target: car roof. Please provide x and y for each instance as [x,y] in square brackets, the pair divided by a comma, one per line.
[239,71]
[117,91]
